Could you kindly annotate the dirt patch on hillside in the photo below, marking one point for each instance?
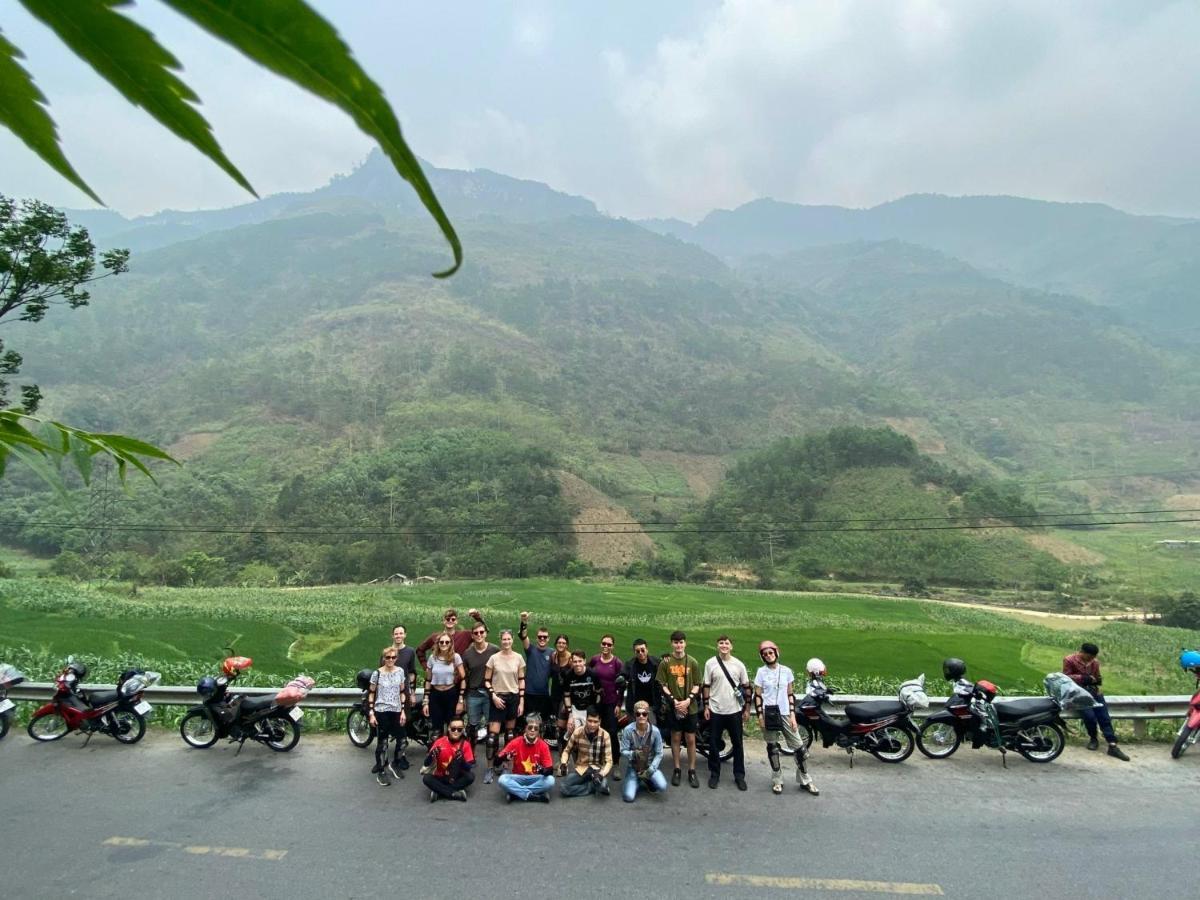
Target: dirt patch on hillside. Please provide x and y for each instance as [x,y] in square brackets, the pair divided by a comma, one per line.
[610,551]
[1185,501]
[922,433]
[193,444]
[702,472]
[1063,550]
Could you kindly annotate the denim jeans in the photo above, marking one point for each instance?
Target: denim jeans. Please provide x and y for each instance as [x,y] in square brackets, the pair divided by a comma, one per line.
[524,786]
[633,784]
[1098,715]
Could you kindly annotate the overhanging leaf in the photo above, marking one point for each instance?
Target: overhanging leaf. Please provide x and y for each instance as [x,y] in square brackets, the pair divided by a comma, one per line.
[129,58]
[23,112]
[293,41]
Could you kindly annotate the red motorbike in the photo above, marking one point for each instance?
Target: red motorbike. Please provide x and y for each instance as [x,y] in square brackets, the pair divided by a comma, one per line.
[120,713]
[1189,731]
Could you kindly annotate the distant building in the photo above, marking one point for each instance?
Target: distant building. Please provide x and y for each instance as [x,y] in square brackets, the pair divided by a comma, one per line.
[1179,545]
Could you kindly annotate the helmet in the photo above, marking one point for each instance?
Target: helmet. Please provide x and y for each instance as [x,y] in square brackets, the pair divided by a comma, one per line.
[363,679]
[815,668]
[206,686]
[1190,660]
[953,668]
[235,664]
[768,645]
[987,689]
[78,669]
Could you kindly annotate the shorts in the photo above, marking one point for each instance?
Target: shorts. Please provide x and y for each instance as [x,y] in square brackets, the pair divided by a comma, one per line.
[508,713]
[684,724]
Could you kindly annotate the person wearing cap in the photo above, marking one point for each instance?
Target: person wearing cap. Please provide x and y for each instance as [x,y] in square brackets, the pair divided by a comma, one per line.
[774,685]
[642,747]
[1084,669]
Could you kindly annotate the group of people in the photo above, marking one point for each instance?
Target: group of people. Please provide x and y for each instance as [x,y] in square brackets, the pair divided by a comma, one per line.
[607,712]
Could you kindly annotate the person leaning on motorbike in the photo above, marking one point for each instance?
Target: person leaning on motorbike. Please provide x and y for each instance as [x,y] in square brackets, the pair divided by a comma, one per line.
[1084,669]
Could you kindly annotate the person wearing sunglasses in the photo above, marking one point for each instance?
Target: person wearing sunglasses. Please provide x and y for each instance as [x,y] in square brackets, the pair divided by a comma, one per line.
[386,705]
[528,756]
[447,769]
[774,684]
[475,660]
[460,637]
[505,683]
[607,669]
[640,672]
[560,668]
[443,682]
[538,661]
[642,747]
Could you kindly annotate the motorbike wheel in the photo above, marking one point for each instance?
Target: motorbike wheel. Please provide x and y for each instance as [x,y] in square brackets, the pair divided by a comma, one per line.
[359,728]
[902,736]
[49,726]
[1181,742]
[198,729]
[127,726]
[3,726]
[938,740]
[1050,735]
[724,750]
[285,733]
[806,735]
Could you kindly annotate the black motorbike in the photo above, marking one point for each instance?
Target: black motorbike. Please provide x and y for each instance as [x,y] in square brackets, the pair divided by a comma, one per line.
[362,733]
[9,677]
[882,728]
[1031,726]
[239,718]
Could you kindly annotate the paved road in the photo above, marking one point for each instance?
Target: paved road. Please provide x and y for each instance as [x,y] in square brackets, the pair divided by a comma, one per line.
[159,820]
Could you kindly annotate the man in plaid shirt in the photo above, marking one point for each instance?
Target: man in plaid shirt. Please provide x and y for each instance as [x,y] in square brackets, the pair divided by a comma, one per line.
[589,751]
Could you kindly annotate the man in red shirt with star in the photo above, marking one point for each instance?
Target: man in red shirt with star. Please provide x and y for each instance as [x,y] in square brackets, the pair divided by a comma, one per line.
[529,758]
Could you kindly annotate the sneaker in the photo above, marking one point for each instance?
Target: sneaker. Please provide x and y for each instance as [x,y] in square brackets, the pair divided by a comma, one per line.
[741,783]
[693,780]
[377,768]
[1094,744]
[461,796]
[433,797]
[604,790]
[402,763]
[713,781]
[676,777]
[811,788]
[488,775]
[616,773]
[395,770]
[509,798]
[1117,752]
[777,789]
[382,779]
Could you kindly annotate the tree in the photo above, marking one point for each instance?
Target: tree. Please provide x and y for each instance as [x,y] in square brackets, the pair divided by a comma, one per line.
[285,36]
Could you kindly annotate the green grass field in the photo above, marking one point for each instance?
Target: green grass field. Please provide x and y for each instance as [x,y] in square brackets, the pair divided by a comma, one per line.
[869,644]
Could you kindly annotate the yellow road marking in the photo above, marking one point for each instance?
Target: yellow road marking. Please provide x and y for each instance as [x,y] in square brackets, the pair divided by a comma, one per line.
[824,884]
[197,849]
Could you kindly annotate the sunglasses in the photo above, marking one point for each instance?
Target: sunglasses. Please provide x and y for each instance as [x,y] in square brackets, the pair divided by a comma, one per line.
[389,656]
[480,631]
[543,637]
[642,713]
[606,643]
[455,729]
[443,643]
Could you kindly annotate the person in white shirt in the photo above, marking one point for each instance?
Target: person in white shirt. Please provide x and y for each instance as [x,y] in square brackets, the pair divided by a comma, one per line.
[726,709]
[773,689]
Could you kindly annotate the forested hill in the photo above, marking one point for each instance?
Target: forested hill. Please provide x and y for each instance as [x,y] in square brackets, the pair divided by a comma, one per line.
[302,337]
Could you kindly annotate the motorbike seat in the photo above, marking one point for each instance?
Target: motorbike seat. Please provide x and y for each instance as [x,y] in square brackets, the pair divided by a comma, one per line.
[874,709]
[254,704]
[1011,710]
[101,698]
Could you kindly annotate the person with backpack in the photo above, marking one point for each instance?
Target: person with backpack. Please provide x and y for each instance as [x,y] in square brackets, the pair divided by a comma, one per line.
[1084,669]
[642,747]
[387,702]
[726,709]
[528,756]
[607,668]
[447,769]
[679,679]
[774,685]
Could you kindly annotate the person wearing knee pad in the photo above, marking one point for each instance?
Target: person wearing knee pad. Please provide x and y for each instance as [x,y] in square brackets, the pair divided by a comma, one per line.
[504,679]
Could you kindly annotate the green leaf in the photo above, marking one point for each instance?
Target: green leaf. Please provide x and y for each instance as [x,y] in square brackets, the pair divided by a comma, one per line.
[41,465]
[293,41]
[23,112]
[128,57]
[81,455]
[127,446]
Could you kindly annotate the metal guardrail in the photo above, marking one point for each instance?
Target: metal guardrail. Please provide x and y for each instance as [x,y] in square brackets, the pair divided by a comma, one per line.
[1139,709]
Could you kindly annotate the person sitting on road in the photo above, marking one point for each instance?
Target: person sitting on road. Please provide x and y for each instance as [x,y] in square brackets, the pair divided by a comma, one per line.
[386,706]
[590,753]
[447,769]
[774,685]
[531,764]
[1084,669]
[642,747]
[504,679]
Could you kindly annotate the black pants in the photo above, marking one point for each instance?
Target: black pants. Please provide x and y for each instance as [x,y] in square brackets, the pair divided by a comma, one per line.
[1099,716]
[441,710]
[541,704]
[730,724]
[608,721]
[444,787]
[388,726]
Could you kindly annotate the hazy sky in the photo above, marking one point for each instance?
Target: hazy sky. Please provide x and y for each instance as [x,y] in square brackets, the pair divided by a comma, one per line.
[674,108]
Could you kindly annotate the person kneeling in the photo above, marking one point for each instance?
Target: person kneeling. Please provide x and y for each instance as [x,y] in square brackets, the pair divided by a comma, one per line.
[590,753]
[447,769]
[529,758]
[642,746]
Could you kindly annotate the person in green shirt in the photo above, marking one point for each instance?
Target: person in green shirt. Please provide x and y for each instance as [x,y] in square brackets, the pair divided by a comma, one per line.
[680,679]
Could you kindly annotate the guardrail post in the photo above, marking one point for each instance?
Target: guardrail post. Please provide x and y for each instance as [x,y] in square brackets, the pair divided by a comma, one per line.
[329,719]
[1139,728]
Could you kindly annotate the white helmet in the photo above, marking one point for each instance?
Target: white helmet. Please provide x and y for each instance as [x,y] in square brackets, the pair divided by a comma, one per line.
[815,668]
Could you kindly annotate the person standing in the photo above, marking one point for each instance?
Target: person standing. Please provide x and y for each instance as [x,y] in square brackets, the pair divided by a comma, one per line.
[406,659]
[529,758]
[642,747]
[679,678]
[386,706]
[641,674]
[505,683]
[444,679]
[560,667]
[447,769]
[538,664]
[589,752]
[581,692]
[774,685]
[1084,669]
[475,659]
[726,709]
[607,668]
[461,638]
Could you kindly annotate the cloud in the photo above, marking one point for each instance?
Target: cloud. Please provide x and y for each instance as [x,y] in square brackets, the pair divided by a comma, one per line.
[859,102]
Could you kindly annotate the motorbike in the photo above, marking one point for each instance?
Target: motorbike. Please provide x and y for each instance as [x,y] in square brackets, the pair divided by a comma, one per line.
[120,713]
[361,732]
[9,677]
[273,721]
[1189,731]
[883,728]
[1032,726]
